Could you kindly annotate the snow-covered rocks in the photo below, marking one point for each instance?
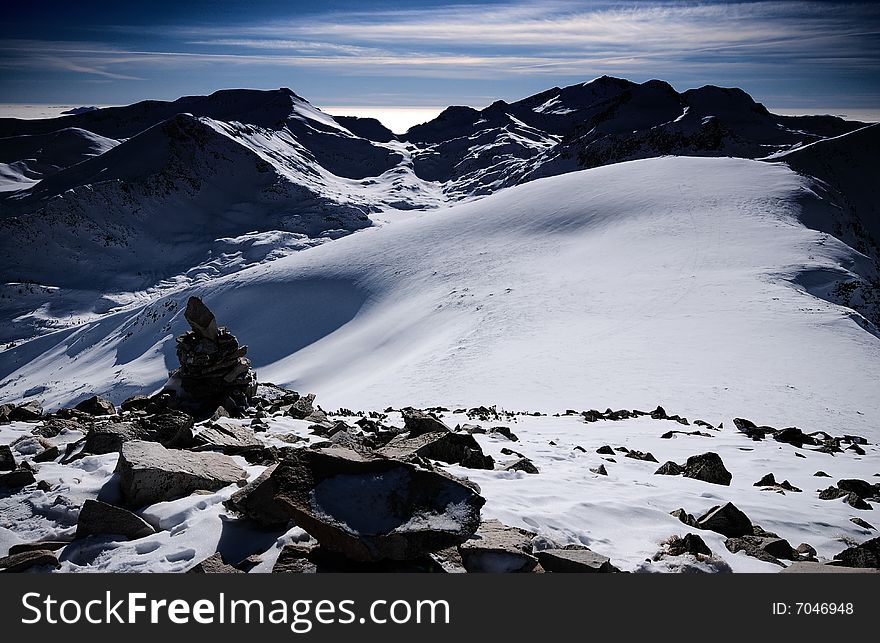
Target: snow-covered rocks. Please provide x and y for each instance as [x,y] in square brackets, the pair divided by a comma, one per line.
[370,508]
[150,473]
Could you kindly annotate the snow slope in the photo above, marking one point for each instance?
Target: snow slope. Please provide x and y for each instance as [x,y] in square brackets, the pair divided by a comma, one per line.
[674,281]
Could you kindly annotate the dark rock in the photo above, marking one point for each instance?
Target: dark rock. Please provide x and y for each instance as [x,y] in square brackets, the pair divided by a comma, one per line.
[523,464]
[669,468]
[44,486]
[446,446]
[7,460]
[96,406]
[448,561]
[638,455]
[779,548]
[600,470]
[751,429]
[767,481]
[571,560]
[726,519]
[53,427]
[707,467]
[369,507]
[170,428]
[506,451]
[26,412]
[821,474]
[48,455]
[865,555]
[855,448]
[256,501]
[135,403]
[99,518]
[5,411]
[861,488]
[684,517]
[806,550]
[28,559]
[690,544]
[861,523]
[40,545]
[853,500]
[605,450]
[16,479]
[794,436]
[505,431]
[659,413]
[150,473]
[755,546]
[302,408]
[213,564]
[295,559]
[418,422]
[497,548]
[832,493]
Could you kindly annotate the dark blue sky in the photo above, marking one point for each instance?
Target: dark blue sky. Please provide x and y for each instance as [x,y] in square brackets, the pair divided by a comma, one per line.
[822,55]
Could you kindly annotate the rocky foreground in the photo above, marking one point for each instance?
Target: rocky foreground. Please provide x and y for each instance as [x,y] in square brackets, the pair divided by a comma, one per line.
[297,489]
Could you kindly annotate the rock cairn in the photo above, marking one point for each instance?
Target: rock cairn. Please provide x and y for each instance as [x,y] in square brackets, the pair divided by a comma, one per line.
[213,368]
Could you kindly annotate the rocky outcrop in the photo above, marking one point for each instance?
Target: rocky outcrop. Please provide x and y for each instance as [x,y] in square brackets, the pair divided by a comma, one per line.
[497,548]
[27,412]
[96,406]
[150,473]
[256,501]
[213,368]
[417,422]
[866,555]
[445,446]
[369,508]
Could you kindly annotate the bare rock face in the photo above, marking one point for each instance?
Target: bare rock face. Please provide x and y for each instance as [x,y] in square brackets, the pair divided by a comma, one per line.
[150,473]
[371,508]
[497,548]
[213,368]
[98,518]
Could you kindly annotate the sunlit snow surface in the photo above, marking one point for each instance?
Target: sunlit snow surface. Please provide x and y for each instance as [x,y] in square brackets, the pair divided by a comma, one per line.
[673,281]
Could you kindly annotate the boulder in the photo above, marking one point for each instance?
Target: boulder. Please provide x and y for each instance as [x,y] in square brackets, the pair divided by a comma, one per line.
[418,422]
[575,560]
[53,427]
[707,467]
[497,548]
[522,464]
[861,523]
[16,479]
[28,559]
[213,564]
[26,412]
[150,473]
[45,545]
[110,436]
[605,450]
[7,460]
[504,431]
[294,559]
[5,411]
[684,517]
[170,427]
[726,519]
[256,501]
[669,468]
[446,446]
[638,455]
[794,436]
[135,403]
[866,555]
[762,548]
[600,470]
[369,507]
[302,408]
[98,518]
[751,429]
[96,406]
[832,493]
[855,502]
[690,544]
[49,454]
[861,488]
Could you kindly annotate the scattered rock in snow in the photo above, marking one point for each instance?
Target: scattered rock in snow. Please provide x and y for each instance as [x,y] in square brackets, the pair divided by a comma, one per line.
[861,523]
[669,468]
[505,431]
[770,550]
[605,450]
[600,470]
[769,483]
[794,436]
[302,408]
[853,500]
[135,403]
[707,467]
[418,422]
[523,464]
[227,437]
[497,548]
[150,473]
[751,429]
[96,406]
[370,507]
[866,554]
[294,559]
[575,559]
[28,559]
[99,518]
[726,519]
[446,446]
[684,517]
[689,544]
[638,455]
[821,474]
[861,488]
[16,479]
[806,550]
[50,545]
